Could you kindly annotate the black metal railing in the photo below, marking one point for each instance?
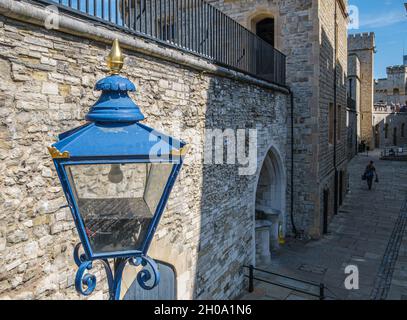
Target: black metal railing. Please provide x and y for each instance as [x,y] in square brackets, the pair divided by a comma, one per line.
[189,25]
[394,151]
[319,286]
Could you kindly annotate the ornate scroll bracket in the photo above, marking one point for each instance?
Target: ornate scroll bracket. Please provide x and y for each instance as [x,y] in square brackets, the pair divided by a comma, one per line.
[56,154]
[85,282]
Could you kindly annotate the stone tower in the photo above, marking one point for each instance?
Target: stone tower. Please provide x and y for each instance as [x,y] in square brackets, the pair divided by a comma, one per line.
[363,46]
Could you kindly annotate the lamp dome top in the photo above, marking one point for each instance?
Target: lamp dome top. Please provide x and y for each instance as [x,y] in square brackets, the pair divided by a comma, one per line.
[115,83]
[114,104]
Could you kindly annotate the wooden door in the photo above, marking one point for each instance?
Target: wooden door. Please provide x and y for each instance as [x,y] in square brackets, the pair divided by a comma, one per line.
[165,290]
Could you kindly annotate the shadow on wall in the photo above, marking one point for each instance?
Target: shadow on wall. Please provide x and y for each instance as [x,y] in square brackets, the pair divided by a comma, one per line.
[225,242]
[333,133]
[227,229]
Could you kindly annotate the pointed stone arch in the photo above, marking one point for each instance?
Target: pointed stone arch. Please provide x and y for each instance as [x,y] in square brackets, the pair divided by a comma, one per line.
[270,205]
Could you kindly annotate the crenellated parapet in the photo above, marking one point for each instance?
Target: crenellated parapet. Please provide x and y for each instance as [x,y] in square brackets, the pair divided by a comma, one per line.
[361,41]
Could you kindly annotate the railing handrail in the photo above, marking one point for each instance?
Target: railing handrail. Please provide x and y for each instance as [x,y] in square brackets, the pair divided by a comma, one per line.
[320,286]
[193,26]
[385,151]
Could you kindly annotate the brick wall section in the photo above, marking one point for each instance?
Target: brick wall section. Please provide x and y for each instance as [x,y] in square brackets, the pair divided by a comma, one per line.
[46,81]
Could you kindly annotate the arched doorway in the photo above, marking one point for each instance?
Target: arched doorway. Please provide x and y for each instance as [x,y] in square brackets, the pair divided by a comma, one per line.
[265,29]
[269,206]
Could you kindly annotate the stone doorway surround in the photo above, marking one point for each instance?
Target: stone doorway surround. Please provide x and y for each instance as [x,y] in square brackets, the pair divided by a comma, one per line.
[270,206]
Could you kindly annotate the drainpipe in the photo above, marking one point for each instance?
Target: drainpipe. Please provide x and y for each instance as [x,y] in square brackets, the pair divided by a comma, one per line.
[335,114]
[294,229]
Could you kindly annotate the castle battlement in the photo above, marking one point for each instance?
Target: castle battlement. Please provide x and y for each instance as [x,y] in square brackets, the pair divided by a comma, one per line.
[361,41]
[396,69]
[364,35]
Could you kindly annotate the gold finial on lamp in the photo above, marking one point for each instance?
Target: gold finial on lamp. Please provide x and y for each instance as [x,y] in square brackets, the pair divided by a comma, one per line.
[115,59]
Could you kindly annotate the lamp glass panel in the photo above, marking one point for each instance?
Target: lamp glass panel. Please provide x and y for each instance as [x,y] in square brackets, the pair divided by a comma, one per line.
[118,201]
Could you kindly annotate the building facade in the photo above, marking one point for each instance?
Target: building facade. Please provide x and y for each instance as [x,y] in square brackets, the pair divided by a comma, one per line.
[390,127]
[390,107]
[209,228]
[392,91]
[313,36]
[353,115]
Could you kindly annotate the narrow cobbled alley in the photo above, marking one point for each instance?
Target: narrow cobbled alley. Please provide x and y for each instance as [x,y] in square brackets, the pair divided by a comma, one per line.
[369,232]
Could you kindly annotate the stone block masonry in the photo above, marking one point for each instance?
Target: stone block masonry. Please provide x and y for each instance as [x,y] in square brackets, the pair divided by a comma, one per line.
[46,81]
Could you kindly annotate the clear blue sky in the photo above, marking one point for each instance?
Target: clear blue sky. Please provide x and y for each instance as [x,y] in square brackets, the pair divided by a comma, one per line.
[388,20]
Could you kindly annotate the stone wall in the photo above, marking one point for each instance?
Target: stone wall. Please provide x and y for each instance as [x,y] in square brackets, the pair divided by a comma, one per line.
[46,87]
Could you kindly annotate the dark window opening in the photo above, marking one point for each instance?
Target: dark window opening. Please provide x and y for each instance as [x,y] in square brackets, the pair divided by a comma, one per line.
[265,30]
[339,124]
[331,123]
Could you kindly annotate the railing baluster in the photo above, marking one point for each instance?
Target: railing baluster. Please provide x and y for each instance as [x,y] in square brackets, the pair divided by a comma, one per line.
[116,11]
[150,16]
[198,9]
[181,25]
[176,24]
[197,27]
[251,276]
[193,12]
[211,35]
[321,292]
[141,15]
[109,10]
[145,16]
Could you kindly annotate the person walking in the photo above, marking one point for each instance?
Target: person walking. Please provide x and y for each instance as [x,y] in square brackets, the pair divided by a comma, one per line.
[369,174]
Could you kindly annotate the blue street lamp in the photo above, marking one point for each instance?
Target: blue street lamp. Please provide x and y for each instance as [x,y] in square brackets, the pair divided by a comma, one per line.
[116,174]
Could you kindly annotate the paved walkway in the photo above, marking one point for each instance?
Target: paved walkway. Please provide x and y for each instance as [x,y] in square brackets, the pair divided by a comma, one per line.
[369,232]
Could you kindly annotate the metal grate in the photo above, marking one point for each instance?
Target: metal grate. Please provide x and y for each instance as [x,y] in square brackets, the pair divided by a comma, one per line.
[189,25]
